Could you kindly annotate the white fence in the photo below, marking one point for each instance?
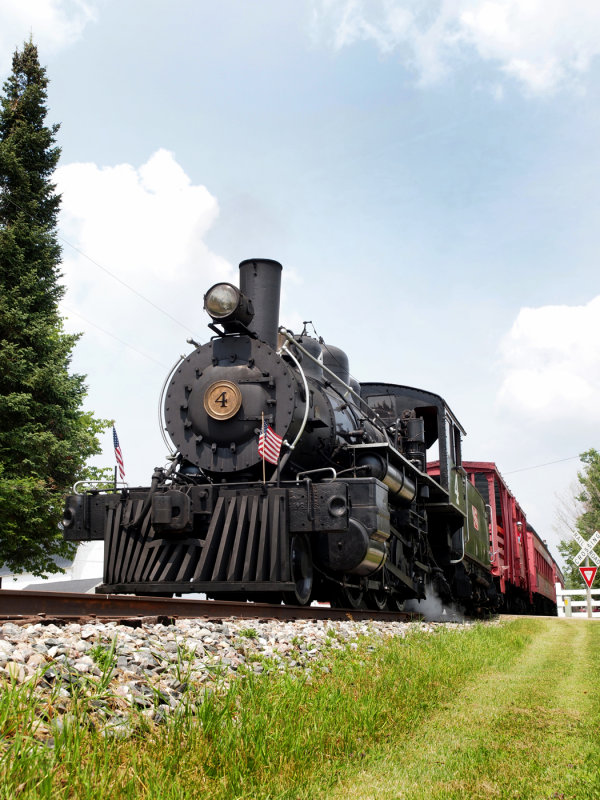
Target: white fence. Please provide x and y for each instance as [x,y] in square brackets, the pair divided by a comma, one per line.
[577,609]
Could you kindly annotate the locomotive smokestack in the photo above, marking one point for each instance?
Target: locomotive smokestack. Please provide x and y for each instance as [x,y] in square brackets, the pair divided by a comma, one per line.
[260,280]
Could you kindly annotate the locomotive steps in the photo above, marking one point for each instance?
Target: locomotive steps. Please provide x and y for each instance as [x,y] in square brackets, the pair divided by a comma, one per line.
[487,710]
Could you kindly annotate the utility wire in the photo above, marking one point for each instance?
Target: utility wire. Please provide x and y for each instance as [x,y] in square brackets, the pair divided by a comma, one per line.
[61,307]
[538,466]
[125,284]
[103,268]
[112,335]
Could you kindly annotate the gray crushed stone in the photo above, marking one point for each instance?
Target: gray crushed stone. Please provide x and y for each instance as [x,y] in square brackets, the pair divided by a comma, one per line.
[149,670]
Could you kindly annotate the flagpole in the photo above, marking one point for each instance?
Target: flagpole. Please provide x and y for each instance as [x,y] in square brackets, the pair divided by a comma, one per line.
[278,471]
[262,428]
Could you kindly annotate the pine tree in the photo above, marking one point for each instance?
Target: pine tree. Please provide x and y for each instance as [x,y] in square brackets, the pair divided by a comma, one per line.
[45,436]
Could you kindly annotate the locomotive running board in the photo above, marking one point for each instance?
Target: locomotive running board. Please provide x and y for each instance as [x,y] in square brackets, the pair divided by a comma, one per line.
[211,588]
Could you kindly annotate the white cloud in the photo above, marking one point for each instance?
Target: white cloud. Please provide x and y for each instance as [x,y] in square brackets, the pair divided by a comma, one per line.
[146,225]
[53,24]
[551,364]
[543,44]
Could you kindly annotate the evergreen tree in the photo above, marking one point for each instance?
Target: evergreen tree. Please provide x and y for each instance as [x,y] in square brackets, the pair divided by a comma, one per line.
[45,436]
[587,521]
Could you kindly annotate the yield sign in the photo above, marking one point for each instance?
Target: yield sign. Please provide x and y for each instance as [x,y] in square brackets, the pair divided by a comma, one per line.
[588,573]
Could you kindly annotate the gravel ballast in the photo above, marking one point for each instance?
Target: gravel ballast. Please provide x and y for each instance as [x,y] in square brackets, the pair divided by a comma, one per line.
[151,668]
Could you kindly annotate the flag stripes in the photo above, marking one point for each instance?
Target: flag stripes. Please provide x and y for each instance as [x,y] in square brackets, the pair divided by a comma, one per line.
[269,444]
[118,454]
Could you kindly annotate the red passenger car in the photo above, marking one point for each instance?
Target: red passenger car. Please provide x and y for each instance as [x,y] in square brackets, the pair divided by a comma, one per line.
[523,568]
[521,562]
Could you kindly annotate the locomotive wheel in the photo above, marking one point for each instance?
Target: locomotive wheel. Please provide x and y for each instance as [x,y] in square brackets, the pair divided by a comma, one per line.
[302,571]
[395,604]
[349,597]
[377,600]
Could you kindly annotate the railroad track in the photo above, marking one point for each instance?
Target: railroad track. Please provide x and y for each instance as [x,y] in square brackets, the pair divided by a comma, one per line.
[24,607]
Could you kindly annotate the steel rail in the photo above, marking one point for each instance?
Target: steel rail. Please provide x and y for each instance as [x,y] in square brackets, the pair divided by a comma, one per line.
[15,604]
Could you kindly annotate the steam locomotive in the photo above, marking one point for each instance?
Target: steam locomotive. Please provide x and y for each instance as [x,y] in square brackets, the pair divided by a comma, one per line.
[348,514]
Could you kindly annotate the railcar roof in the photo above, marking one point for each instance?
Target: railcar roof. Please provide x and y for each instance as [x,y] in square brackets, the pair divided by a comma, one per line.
[430,398]
[491,466]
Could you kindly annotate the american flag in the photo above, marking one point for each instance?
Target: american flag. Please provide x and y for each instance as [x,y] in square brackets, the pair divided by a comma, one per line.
[118,454]
[269,444]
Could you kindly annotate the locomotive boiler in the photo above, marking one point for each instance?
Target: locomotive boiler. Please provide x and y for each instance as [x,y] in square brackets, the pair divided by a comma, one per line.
[347,513]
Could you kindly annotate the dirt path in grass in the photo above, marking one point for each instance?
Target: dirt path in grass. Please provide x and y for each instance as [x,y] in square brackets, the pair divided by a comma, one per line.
[530,731]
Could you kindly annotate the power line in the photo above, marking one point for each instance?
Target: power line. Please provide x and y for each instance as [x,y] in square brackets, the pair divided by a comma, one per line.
[112,335]
[103,268]
[125,284]
[61,307]
[538,466]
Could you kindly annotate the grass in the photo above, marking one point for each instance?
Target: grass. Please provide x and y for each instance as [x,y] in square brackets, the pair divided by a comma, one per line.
[493,711]
[527,729]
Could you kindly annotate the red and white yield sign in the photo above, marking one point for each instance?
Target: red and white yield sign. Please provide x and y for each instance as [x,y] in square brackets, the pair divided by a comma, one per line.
[587,549]
[588,574]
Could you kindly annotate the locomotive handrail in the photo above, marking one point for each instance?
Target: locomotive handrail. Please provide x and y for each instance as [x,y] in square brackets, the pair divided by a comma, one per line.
[282,462]
[306,403]
[492,525]
[462,539]
[313,471]
[375,419]
[109,487]
[161,401]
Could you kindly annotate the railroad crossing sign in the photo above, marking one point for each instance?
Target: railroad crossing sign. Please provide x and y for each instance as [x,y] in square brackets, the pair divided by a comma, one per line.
[587,548]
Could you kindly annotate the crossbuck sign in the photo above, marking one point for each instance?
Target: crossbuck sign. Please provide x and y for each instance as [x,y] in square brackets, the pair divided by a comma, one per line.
[587,548]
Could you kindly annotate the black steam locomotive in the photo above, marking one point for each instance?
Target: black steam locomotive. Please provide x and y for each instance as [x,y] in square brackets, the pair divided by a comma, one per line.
[347,515]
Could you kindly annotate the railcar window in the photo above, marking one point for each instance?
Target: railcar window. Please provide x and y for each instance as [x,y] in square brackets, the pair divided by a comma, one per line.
[383,404]
[457,447]
[498,499]
[544,569]
[433,452]
[454,443]
[482,486]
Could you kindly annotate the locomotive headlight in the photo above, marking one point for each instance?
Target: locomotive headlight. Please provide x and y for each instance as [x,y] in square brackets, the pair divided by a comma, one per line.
[221,300]
[225,303]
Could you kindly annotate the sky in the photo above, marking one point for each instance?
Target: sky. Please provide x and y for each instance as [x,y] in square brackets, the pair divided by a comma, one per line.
[427,174]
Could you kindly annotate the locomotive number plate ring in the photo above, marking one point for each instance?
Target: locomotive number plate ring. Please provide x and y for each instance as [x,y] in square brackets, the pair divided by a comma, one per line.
[222,400]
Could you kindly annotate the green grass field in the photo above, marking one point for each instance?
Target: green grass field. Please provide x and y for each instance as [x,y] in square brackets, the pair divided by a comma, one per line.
[527,727]
[494,711]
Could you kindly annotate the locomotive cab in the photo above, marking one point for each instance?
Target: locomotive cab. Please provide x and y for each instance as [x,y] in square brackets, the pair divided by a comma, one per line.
[457,518]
